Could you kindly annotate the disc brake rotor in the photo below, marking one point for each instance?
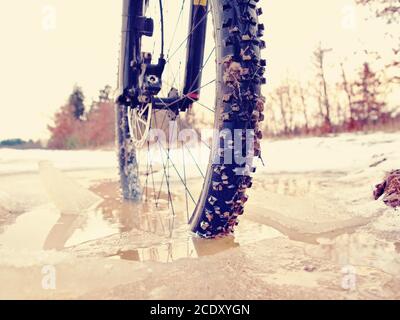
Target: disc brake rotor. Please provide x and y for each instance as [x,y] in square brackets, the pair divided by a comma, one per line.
[139,124]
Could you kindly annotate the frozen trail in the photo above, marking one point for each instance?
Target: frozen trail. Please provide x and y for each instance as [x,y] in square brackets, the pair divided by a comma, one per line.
[308,221]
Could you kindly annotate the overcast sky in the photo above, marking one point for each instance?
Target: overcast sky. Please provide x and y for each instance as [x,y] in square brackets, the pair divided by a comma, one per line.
[49,45]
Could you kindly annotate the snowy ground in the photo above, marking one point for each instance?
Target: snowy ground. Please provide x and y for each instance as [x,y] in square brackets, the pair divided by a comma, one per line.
[311,229]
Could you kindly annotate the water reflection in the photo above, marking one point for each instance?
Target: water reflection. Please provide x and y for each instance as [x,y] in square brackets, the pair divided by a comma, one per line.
[289,185]
[397,246]
[140,231]
[345,244]
[63,230]
[178,249]
[129,215]
[296,234]
[113,216]
[359,249]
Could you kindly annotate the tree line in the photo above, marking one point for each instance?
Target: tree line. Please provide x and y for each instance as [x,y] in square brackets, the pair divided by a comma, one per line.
[352,103]
[75,127]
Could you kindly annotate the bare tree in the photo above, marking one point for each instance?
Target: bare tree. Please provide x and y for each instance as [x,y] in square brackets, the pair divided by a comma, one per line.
[302,95]
[280,93]
[319,62]
[339,114]
[393,68]
[385,9]
[271,126]
[320,107]
[389,11]
[348,89]
[290,103]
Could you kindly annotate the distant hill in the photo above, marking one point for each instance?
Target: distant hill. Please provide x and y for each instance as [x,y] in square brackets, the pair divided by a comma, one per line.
[20,144]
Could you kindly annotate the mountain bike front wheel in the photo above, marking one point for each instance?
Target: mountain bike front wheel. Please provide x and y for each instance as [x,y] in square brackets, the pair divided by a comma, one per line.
[206,77]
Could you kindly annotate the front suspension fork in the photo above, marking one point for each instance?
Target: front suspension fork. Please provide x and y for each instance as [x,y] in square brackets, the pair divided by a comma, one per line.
[195,49]
[129,72]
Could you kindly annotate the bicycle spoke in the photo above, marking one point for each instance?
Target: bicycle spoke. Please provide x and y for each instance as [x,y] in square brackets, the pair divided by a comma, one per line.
[176,27]
[198,167]
[186,95]
[200,72]
[167,181]
[203,66]
[161,185]
[206,144]
[184,177]
[180,177]
[187,37]
[203,105]
[147,170]
[170,202]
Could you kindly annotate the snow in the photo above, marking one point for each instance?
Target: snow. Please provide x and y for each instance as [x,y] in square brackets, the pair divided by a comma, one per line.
[345,152]
[26,161]
[310,205]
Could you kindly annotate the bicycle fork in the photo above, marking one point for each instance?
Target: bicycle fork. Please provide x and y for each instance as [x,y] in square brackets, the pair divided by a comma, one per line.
[137,70]
[195,49]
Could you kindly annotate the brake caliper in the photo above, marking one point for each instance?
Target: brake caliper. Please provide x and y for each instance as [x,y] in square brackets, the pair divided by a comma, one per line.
[150,81]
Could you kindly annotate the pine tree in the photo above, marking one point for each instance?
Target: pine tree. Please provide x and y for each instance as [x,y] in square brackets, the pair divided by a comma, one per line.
[367,106]
[105,94]
[76,99]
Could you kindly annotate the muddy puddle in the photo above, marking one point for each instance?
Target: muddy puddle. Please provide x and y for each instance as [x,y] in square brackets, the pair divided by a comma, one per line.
[345,241]
[144,232]
[359,249]
[296,184]
[116,229]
